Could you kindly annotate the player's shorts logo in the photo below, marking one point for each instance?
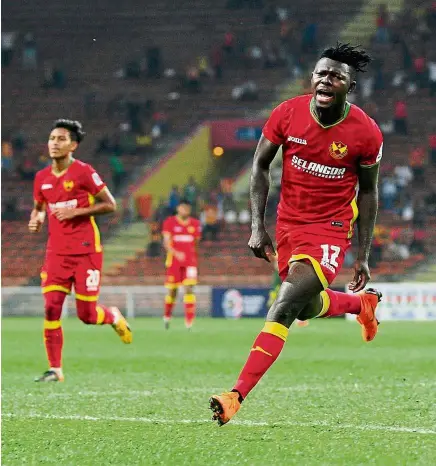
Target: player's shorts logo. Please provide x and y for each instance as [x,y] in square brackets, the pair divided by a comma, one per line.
[338,150]
[68,185]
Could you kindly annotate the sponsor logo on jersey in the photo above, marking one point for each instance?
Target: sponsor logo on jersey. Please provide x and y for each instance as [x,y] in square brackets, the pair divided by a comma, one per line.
[178,228]
[317,169]
[72,204]
[68,185]
[183,238]
[338,150]
[297,140]
[328,266]
[46,186]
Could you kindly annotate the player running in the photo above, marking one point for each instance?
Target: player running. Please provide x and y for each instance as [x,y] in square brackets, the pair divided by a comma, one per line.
[67,191]
[329,146]
[181,234]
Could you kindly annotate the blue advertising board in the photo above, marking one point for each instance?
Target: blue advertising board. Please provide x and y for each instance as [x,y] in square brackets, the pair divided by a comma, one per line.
[233,303]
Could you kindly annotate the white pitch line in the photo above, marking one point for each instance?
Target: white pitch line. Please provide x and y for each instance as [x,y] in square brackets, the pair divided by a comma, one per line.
[146,420]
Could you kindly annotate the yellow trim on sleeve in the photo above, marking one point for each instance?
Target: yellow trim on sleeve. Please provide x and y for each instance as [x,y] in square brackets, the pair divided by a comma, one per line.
[47,289]
[315,264]
[82,297]
[51,324]
[276,329]
[325,303]
[97,241]
[355,215]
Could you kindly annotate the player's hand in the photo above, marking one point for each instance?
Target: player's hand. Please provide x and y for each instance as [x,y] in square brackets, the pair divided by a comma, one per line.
[35,225]
[261,245]
[179,255]
[362,276]
[64,213]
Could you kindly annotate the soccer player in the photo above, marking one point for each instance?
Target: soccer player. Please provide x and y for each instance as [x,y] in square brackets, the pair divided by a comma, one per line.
[71,193]
[181,234]
[329,148]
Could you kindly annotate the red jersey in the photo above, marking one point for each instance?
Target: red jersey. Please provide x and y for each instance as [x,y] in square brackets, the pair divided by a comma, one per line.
[75,188]
[321,163]
[183,238]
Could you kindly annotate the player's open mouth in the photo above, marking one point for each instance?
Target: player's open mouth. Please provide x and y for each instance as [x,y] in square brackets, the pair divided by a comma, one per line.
[325,97]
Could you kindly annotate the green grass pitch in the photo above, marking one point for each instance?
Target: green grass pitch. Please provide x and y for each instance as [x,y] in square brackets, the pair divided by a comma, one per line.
[329,400]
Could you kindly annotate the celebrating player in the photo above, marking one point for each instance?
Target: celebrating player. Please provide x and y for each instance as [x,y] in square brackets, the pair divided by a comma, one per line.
[329,147]
[67,191]
[181,234]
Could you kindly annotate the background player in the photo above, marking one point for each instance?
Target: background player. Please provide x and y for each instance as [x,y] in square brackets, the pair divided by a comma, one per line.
[67,191]
[328,147]
[181,234]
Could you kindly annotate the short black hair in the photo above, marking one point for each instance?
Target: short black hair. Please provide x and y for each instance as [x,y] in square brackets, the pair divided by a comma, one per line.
[348,54]
[184,201]
[73,126]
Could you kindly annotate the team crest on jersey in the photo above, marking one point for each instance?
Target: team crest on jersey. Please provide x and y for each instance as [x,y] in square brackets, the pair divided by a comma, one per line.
[338,150]
[191,229]
[68,185]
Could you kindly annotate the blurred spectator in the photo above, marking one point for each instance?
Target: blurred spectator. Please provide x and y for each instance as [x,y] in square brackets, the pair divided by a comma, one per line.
[418,243]
[173,199]
[154,62]
[403,175]
[217,61]
[247,91]
[270,55]
[244,217]
[270,15]
[432,148]
[400,117]
[203,67]
[43,161]
[230,217]
[432,75]
[382,33]
[229,42]
[7,153]
[191,192]
[154,248]
[26,170]
[420,217]
[118,172]
[367,85]
[161,212]
[134,114]
[416,161]
[430,202]
[18,140]
[192,80]
[160,118]
[408,212]
[388,193]
[8,45]
[209,222]
[29,57]
[309,41]
[420,68]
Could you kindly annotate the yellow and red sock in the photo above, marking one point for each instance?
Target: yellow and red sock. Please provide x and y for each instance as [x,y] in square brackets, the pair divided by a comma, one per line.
[92,313]
[189,301]
[266,349]
[169,305]
[53,335]
[336,303]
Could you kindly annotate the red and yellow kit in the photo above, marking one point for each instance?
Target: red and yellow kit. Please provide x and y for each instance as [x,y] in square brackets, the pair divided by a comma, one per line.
[74,251]
[183,237]
[317,209]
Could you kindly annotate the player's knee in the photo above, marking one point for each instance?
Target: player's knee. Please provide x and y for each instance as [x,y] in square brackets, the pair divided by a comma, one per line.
[54,301]
[86,311]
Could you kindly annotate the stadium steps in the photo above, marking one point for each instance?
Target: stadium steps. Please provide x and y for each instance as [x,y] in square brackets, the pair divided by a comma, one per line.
[126,245]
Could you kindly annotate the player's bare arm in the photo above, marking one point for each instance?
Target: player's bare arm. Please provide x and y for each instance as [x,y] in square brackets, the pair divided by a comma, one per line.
[105,204]
[367,203]
[260,242]
[37,217]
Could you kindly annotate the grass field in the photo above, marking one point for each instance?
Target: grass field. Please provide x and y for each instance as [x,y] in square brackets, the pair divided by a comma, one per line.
[329,400]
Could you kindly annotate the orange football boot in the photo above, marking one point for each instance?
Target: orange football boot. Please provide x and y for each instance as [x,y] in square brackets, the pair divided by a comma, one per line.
[369,300]
[121,326]
[224,406]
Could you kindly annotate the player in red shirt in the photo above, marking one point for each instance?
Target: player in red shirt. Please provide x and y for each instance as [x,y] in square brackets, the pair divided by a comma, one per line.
[181,234]
[329,148]
[67,191]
